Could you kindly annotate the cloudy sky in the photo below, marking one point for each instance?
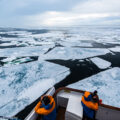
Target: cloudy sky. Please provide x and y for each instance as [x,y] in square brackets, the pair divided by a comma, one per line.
[57,13]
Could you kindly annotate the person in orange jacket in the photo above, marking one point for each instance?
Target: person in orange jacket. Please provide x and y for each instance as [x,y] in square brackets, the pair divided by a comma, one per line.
[90,105]
[46,108]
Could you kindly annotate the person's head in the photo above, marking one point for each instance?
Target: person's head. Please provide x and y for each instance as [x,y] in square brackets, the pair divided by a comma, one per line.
[46,100]
[95,96]
[94,93]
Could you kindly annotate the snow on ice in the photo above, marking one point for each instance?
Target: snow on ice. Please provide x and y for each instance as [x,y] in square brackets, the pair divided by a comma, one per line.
[100,62]
[17,82]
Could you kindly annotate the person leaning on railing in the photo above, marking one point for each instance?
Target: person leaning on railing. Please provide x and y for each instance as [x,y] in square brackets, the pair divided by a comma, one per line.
[46,108]
[90,103]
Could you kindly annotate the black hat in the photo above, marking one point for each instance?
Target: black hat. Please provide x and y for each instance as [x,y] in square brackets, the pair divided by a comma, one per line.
[95,96]
[46,100]
[95,93]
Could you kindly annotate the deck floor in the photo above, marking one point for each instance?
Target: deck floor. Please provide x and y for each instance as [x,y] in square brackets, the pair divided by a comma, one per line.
[61,113]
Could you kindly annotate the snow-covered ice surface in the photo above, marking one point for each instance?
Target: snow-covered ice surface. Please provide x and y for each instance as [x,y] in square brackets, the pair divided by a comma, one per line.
[116,49]
[100,62]
[24,51]
[106,83]
[21,84]
[74,53]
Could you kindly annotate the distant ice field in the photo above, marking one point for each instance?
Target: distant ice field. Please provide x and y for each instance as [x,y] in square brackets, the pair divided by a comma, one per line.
[22,82]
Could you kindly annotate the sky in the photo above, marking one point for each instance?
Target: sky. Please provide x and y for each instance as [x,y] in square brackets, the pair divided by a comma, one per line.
[58,13]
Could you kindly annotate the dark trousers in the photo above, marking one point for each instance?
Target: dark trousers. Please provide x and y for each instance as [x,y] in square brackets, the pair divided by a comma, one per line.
[87,118]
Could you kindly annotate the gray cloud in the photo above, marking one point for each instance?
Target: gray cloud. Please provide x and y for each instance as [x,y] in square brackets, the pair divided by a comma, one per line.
[37,13]
[98,6]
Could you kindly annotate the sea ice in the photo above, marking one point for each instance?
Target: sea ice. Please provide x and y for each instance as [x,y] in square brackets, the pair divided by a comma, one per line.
[101,63]
[18,81]
[24,51]
[116,49]
[76,53]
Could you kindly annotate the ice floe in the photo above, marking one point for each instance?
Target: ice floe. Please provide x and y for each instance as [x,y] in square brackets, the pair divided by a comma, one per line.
[116,49]
[101,63]
[24,51]
[74,53]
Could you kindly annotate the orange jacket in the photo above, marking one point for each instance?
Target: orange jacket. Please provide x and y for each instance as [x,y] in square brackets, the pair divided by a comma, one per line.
[89,104]
[42,110]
